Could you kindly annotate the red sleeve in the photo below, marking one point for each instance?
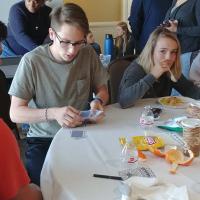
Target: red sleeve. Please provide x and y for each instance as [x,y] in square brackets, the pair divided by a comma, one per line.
[12,172]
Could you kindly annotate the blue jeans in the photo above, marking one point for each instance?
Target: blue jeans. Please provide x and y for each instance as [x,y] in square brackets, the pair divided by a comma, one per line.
[185,65]
[7,51]
[36,151]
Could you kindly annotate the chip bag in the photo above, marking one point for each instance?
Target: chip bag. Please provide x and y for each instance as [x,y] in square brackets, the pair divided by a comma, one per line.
[142,142]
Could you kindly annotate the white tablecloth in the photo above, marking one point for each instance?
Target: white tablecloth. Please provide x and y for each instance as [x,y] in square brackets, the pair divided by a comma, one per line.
[70,163]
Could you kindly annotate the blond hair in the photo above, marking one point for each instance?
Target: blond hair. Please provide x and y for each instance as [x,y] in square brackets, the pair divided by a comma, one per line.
[146,57]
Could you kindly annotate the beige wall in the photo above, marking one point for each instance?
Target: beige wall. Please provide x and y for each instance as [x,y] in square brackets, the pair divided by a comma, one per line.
[101,11]
[103,15]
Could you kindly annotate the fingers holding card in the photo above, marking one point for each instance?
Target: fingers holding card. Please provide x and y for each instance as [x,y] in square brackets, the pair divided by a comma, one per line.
[92,116]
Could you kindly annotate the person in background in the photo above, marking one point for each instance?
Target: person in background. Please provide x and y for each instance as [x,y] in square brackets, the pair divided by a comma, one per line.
[14,178]
[184,20]
[150,75]
[5,98]
[90,40]
[194,74]
[144,17]
[54,82]
[122,41]
[3,34]
[28,25]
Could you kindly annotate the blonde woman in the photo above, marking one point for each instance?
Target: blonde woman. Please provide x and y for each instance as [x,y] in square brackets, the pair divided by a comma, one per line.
[152,73]
[122,40]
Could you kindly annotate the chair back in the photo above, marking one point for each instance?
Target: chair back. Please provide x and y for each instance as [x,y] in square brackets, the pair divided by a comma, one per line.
[116,70]
[9,65]
[5,104]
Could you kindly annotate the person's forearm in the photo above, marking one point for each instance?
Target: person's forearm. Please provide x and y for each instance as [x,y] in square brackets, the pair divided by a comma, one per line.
[30,192]
[24,114]
[130,93]
[102,93]
[128,96]
[187,88]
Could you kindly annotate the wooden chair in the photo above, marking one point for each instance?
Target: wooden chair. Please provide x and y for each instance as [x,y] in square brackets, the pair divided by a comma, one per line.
[116,70]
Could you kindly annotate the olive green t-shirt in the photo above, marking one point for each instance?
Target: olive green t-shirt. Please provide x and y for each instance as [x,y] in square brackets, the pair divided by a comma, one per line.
[46,83]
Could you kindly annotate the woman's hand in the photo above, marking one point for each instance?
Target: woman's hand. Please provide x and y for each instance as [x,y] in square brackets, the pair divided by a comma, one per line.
[173,26]
[160,69]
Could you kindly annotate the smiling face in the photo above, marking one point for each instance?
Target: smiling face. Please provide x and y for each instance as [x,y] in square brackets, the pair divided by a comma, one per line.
[67,42]
[165,51]
[34,5]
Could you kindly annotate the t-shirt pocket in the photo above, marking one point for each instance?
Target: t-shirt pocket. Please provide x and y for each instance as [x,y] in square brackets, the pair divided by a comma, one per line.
[82,87]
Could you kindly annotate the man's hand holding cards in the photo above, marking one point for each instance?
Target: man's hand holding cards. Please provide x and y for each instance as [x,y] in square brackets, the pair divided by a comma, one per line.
[92,116]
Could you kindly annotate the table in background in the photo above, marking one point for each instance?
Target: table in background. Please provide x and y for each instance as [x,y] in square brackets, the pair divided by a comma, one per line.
[9,66]
[70,163]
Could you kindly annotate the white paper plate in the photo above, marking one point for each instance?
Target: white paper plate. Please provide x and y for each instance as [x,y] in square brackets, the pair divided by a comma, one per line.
[190,123]
[183,104]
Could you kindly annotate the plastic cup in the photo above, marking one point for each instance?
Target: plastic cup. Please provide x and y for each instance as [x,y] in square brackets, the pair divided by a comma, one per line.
[105,59]
[191,134]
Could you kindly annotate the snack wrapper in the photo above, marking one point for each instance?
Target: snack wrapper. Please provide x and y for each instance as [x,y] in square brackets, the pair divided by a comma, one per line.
[142,142]
[172,124]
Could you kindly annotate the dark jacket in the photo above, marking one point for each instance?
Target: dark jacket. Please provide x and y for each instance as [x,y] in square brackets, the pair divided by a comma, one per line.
[188,32]
[96,47]
[123,49]
[145,16]
[136,84]
[5,101]
[26,30]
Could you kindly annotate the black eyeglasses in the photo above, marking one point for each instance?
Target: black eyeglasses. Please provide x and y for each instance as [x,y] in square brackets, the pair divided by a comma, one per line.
[66,44]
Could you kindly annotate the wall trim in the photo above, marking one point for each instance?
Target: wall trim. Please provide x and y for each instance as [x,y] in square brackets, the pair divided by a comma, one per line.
[105,24]
[126,8]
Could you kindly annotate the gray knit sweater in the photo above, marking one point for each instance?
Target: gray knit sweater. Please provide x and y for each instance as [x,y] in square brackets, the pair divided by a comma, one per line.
[136,84]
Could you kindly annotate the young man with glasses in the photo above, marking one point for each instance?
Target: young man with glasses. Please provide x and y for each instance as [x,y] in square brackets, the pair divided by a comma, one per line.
[54,82]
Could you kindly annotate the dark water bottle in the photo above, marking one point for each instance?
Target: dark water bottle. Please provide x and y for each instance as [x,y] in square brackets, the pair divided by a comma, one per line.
[108,45]
[25,128]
